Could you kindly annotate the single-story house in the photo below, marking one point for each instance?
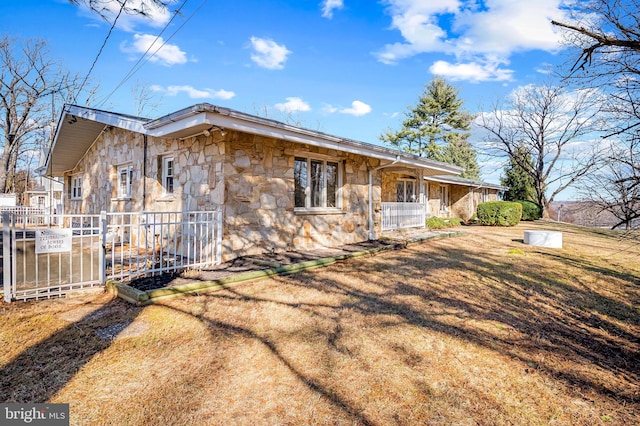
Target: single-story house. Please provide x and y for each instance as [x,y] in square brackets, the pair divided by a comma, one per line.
[281,187]
[455,196]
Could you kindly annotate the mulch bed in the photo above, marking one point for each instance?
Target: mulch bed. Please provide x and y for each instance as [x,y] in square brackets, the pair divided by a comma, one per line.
[252,263]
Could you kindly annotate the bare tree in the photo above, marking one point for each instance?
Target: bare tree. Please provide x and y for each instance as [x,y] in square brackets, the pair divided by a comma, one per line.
[546,122]
[105,8]
[607,32]
[605,35]
[614,187]
[144,101]
[31,88]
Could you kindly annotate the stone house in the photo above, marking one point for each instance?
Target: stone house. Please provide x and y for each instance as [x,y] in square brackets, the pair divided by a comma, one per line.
[281,187]
[454,196]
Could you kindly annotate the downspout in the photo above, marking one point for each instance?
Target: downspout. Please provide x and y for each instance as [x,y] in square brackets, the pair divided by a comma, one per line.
[472,199]
[375,169]
[144,173]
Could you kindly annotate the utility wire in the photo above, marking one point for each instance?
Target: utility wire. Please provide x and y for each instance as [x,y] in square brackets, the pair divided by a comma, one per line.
[86,77]
[139,64]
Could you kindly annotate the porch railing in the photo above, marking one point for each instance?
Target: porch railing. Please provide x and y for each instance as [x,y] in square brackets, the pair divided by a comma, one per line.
[403,215]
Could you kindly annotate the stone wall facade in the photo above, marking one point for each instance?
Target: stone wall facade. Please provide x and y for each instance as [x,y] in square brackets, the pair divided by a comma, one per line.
[251,176]
[463,200]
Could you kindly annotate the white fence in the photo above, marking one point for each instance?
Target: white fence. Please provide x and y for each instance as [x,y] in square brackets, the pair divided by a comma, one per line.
[148,244]
[403,215]
[50,255]
[27,215]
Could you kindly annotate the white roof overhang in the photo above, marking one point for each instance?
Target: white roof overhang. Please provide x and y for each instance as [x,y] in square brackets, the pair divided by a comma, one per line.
[79,127]
[196,119]
[455,180]
[77,130]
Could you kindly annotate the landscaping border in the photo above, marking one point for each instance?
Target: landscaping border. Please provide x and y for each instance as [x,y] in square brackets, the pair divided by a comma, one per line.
[143,298]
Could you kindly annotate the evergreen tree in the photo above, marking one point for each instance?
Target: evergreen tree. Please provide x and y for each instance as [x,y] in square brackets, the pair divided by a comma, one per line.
[517,179]
[459,151]
[437,128]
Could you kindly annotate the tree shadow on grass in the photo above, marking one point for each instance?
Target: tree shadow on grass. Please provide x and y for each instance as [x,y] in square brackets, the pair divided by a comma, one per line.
[43,369]
[552,312]
[215,327]
[558,317]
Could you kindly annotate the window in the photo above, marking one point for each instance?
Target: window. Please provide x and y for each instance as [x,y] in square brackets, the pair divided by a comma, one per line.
[485,195]
[167,175]
[125,178]
[444,198]
[76,187]
[406,191]
[316,183]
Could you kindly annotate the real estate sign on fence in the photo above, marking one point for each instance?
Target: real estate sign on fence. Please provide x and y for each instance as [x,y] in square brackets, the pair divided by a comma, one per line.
[53,240]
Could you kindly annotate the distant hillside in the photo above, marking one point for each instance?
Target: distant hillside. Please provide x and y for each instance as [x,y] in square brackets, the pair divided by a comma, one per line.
[584,213]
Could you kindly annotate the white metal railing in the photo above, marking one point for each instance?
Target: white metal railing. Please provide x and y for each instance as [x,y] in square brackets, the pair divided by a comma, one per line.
[86,250]
[403,215]
[151,243]
[30,271]
[25,215]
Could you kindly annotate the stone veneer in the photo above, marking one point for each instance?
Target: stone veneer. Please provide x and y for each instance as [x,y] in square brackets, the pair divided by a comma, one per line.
[251,176]
[463,200]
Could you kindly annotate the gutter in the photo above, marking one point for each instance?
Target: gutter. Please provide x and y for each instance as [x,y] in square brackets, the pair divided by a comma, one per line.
[375,169]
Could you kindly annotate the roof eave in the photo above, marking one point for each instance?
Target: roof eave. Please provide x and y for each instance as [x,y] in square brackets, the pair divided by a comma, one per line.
[202,116]
[77,129]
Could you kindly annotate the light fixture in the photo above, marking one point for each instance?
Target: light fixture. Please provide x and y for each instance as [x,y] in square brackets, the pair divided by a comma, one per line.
[208,131]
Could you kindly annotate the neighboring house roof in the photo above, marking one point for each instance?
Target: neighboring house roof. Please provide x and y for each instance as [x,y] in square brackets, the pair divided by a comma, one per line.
[79,127]
[457,180]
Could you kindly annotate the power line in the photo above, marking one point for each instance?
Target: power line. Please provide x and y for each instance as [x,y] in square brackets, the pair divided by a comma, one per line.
[86,77]
[139,64]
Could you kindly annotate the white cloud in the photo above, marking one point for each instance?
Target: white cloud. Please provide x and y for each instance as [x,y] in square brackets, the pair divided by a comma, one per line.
[194,93]
[328,6]
[475,36]
[293,104]
[167,55]
[155,16]
[268,54]
[329,109]
[357,109]
[472,71]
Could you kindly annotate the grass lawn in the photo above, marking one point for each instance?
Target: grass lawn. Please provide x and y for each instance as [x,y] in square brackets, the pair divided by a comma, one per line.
[477,329]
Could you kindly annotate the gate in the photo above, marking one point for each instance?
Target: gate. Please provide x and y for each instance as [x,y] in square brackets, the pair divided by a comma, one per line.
[50,255]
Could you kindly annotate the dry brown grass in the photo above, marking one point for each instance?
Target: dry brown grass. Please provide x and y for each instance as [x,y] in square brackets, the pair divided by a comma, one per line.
[473,330]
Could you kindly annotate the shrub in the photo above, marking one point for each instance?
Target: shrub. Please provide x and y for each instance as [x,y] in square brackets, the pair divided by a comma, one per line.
[499,213]
[530,210]
[440,223]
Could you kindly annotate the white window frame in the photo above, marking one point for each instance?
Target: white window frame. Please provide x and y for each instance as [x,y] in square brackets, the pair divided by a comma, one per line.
[323,195]
[75,191]
[444,198]
[413,198]
[485,195]
[125,189]
[168,189]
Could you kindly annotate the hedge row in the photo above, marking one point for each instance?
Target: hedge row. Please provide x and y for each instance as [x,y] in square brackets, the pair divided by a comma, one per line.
[530,210]
[499,213]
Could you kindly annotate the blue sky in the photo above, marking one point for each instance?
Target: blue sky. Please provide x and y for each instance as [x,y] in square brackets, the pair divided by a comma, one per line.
[345,67]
